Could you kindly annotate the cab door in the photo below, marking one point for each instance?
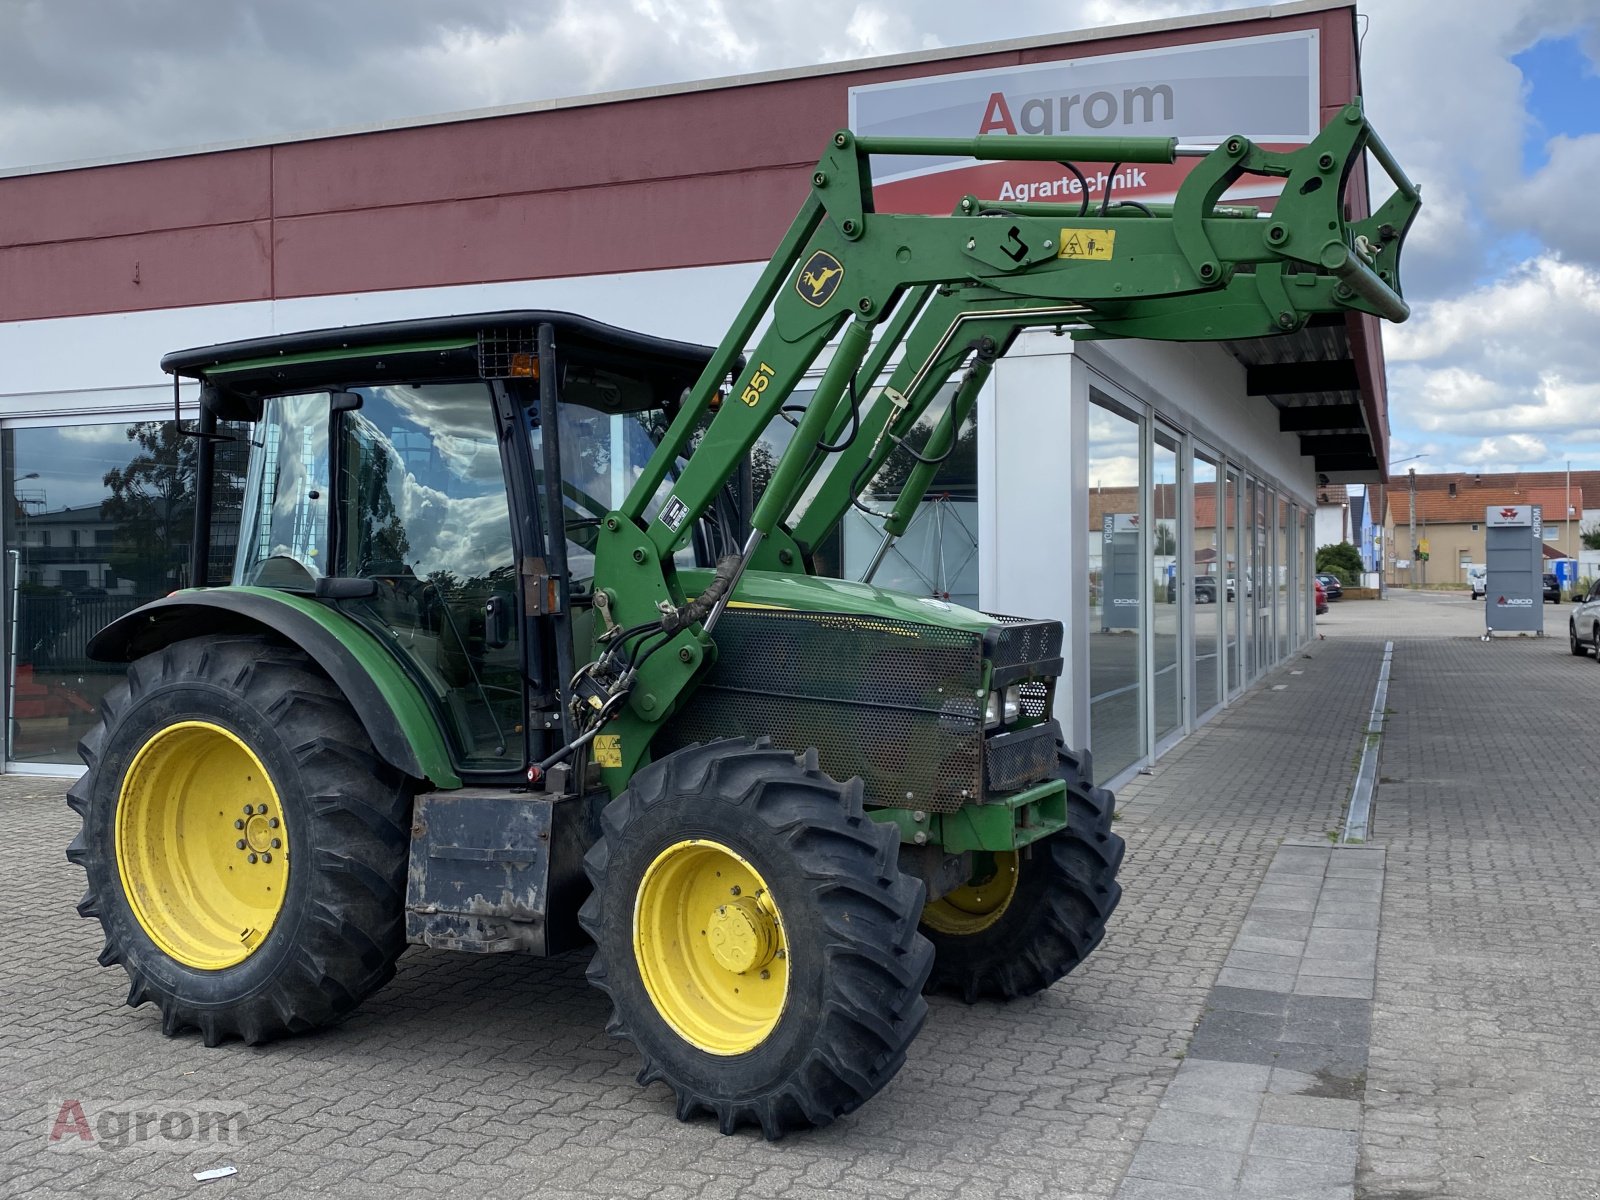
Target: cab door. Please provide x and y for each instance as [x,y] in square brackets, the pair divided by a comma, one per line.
[424,511]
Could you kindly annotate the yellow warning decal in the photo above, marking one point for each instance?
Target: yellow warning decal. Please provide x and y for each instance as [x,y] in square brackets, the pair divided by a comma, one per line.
[1087,243]
[608,750]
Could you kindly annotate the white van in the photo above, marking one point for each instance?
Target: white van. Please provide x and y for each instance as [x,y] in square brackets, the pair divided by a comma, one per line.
[1477,579]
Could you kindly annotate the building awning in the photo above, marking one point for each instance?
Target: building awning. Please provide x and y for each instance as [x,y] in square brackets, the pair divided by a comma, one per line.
[1326,382]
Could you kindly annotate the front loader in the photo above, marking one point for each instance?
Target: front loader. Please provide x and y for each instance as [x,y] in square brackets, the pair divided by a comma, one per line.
[517,657]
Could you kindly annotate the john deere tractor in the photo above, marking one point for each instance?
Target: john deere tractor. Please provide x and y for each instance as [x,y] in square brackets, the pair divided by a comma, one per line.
[518,654]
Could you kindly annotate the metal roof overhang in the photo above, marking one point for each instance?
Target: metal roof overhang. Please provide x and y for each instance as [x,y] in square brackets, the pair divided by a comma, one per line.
[1326,384]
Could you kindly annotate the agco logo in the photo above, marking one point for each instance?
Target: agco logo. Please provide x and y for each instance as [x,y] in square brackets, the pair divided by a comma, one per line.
[1514,602]
[819,278]
[1508,513]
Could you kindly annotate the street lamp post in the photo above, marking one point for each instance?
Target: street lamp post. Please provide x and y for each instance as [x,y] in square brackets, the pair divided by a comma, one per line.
[1412,487]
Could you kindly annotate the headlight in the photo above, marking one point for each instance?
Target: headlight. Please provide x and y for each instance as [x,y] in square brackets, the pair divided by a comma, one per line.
[1003,708]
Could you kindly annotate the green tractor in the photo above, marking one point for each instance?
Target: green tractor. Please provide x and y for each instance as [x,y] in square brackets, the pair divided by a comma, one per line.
[516,656]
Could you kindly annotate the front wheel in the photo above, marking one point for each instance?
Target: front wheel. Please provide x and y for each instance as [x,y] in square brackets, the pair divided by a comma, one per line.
[1024,920]
[245,848]
[1573,644]
[756,937]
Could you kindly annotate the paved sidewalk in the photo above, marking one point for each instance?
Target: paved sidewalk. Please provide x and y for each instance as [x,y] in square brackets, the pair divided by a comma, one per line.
[1485,1066]
[495,1074]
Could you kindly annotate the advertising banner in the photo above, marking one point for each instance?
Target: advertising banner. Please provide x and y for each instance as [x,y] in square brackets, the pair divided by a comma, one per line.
[1266,88]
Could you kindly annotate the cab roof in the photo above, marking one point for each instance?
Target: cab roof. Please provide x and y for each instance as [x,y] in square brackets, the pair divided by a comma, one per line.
[473,345]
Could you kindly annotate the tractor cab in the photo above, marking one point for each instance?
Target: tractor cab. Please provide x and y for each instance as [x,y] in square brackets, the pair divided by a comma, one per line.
[403,472]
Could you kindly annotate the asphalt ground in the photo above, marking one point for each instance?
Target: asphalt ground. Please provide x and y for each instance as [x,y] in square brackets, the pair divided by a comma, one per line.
[494,1075]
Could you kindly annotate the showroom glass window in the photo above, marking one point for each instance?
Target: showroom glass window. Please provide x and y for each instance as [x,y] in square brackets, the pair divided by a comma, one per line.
[1209,585]
[99,521]
[1117,583]
[1166,669]
[1232,578]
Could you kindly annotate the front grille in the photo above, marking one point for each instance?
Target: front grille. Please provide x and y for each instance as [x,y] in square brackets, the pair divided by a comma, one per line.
[1019,641]
[1012,761]
[1033,698]
[894,702]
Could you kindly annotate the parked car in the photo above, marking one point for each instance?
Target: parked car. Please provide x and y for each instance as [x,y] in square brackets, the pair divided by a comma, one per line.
[1331,585]
[1583,626]
[1478,580]
[1322,597]
[1552,589]
[1205,590]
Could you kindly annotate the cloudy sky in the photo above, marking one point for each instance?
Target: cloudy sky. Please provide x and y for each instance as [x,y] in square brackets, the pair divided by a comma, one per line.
[1493,105]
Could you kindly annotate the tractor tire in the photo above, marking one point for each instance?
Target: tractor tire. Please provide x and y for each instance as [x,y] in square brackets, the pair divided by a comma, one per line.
[1027,919]
[755,936]
[245,847]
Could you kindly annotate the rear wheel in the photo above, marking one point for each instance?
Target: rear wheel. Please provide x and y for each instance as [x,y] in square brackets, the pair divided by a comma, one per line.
[244,846]
[755,936]
[1024,920]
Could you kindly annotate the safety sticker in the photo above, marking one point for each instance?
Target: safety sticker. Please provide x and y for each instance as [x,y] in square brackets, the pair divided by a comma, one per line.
[1093,244]
[608,750]
[673,513]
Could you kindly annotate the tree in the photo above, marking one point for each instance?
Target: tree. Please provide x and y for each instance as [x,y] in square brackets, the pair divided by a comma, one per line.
[151,505]
[1341,559]
[1590,537]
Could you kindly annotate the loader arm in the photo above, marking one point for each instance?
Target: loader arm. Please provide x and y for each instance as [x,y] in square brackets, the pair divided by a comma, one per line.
[954,291]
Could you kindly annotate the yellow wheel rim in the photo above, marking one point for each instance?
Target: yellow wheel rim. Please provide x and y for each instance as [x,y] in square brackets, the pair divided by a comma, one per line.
[709,941]
[201,845]
[978,903]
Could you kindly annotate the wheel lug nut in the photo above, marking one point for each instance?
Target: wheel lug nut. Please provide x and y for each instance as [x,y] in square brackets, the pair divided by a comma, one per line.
[252,858]
[276,843]
[765,974]
[240,843]
[249,810]
[238,824]
[735,889]
[272,824]
[266,856]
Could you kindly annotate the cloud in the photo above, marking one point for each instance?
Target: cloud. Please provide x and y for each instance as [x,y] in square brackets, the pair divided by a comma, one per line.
[1495,340]
[1555,202]
[1506,453]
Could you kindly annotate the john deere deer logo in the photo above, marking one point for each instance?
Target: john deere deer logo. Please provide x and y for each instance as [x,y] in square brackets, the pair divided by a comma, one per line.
[819,278]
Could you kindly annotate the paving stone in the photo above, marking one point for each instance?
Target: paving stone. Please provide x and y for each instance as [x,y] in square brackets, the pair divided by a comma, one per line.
[1292,947]
[1268,1178]
[1266,981]
[1331,985]
[1338,1147]
[1322,1058]
[1315,1111]
[1271,963]
[1207,1130]
[1249,1000]
[1340,967]
[1184,1164]
[1153,1189]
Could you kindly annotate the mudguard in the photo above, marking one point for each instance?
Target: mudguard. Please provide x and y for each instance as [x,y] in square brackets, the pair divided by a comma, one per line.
[392,709]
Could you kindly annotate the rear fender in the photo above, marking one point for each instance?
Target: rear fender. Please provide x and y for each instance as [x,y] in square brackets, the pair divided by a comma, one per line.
[392,709]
